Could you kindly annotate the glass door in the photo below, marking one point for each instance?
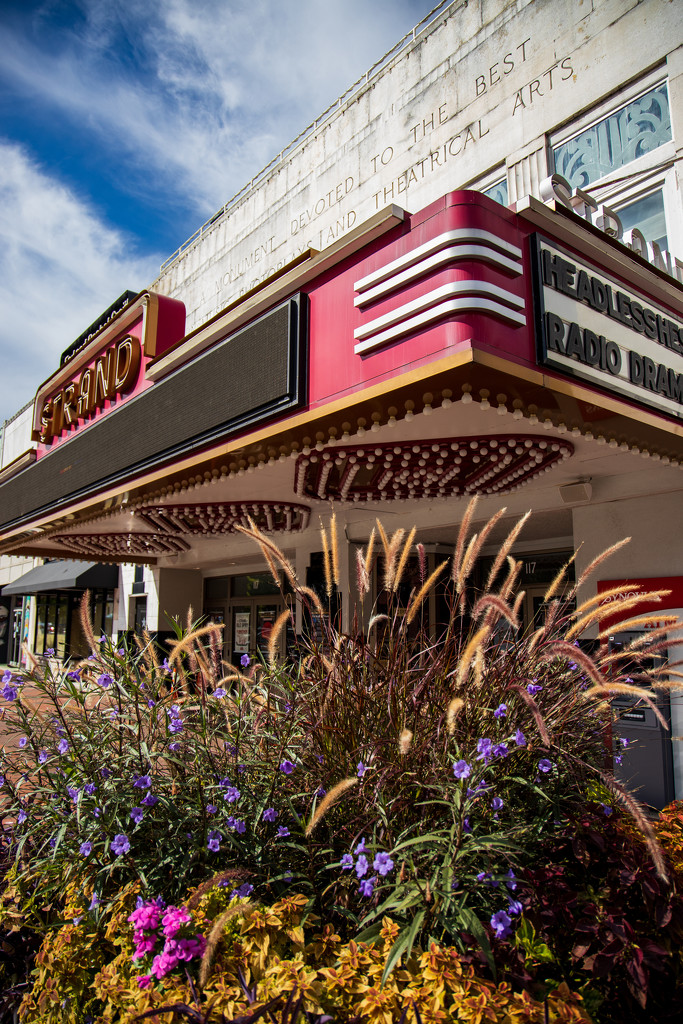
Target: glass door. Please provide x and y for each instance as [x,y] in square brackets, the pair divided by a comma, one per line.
[251,626]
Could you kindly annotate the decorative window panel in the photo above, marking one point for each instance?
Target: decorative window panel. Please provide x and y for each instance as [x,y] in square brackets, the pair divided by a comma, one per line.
[636,129]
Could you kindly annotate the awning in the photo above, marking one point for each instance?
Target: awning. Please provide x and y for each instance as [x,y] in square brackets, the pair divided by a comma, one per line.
[66,575]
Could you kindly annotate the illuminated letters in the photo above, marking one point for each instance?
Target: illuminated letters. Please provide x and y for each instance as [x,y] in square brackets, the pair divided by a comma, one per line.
[115,372]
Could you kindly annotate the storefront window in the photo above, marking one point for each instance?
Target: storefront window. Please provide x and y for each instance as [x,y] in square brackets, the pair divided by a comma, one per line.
[51,623]
[41,612]
[254,585]
[62,620]
[109,613]
[634,130]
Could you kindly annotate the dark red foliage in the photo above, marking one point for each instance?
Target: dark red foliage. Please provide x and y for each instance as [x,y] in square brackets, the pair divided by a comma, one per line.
[606,915]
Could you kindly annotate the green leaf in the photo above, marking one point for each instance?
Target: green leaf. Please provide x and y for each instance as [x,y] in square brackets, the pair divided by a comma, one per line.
[404,944]
[471,923]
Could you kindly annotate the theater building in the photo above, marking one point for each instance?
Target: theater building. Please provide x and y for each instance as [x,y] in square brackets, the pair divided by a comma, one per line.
[463,279]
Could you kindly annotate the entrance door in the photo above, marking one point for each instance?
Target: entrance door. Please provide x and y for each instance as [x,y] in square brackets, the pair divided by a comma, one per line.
[251,624]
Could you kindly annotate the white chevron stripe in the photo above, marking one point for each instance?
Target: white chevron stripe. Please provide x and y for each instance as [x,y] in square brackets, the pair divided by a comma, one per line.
[466,243]
[471,304]
[437,295]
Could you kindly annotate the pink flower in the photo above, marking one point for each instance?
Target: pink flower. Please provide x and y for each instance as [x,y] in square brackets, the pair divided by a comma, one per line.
[144,980]
[174,919]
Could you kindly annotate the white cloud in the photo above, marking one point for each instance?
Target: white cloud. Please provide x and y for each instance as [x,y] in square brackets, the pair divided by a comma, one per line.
[184,101]
[216,89]
[60,267]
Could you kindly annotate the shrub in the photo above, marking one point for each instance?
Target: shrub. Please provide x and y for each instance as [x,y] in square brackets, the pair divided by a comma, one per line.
[596,908]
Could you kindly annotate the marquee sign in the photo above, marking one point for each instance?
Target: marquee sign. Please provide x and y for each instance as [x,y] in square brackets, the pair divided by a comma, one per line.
[105,365]
[593,327]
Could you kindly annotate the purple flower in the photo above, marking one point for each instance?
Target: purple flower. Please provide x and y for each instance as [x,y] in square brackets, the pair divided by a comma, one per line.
[282,832]
[214,840]
[105,773]
[121,651]
[515,907]
[544,765]
[175,725]
[362,866]
[42,756]
[346,862]
[151,703]
[500,750]
[624,742]
[461,769]
[7,676]
[74,676]
[532,688]
[239,826]
[361,846]
[89,788]
[137,814]
[149,800]
[105,680]
[73,792]
[174,746]
[231,795]
[361,770]
[21,817]
[9,692]
[23,741]
[287,767]
[383,863]
[512,884]
[85,849]
[245,661]
[211,808]
[120,844]
[219,692]
[618,759]
[165,666]
[501,711]
[50,652]
[366,886]
[520,738]
[497,803]
[94,902]
[466,825]
[484,748]
[2,780]
[143,782]
[500,922]
[270,814]
[62,746]
[606,810]
[244,890]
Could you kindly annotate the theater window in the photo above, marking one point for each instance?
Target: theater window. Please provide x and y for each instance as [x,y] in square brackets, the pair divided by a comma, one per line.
[623,154]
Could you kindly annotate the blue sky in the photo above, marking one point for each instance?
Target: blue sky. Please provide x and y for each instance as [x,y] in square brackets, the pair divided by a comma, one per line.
[125,125]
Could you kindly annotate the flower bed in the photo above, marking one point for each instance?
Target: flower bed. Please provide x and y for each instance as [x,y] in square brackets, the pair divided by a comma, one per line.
[416,796]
